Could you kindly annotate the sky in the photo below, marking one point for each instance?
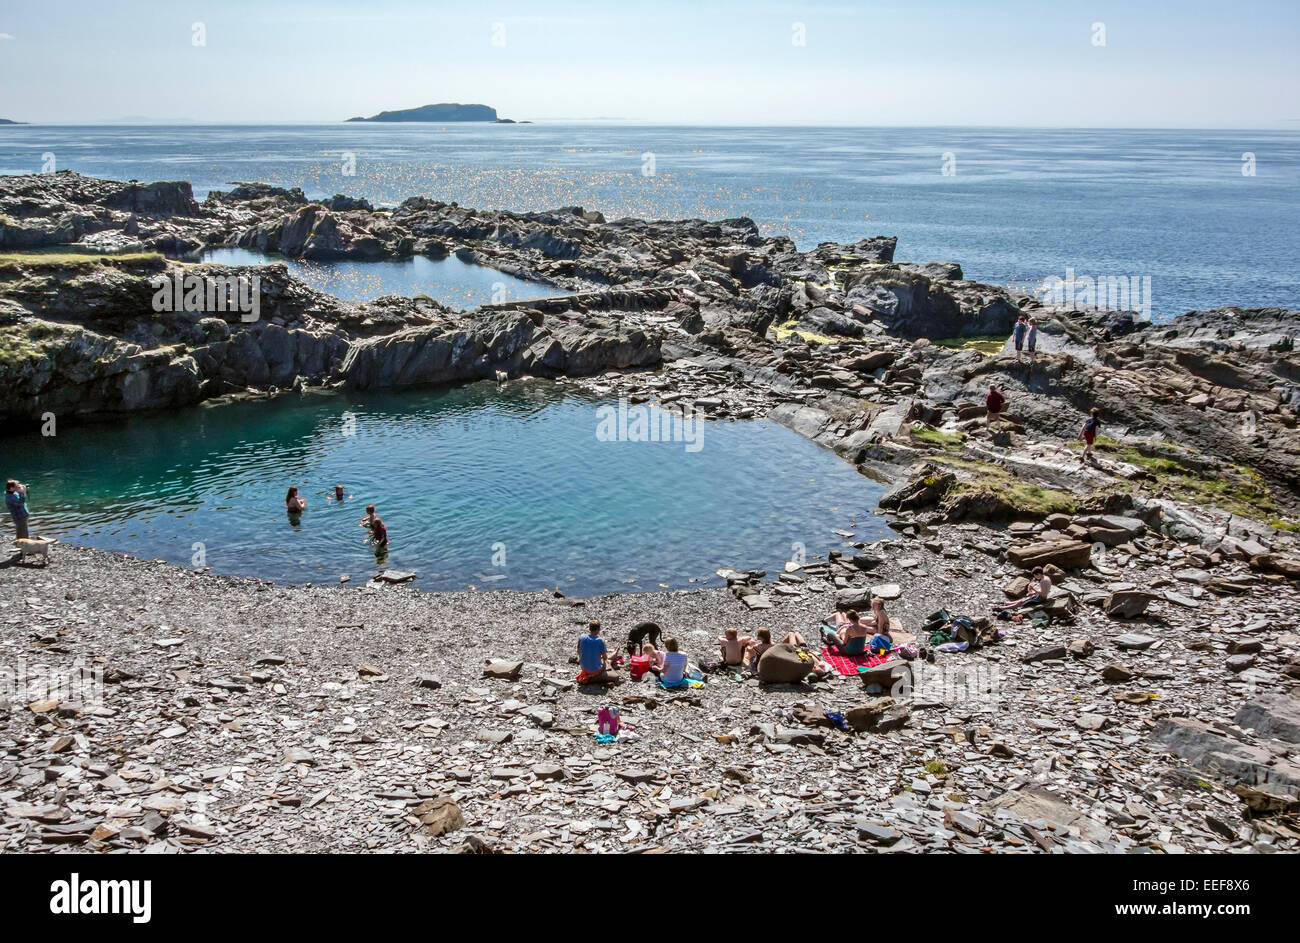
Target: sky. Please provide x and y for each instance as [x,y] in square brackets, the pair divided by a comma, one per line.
[1059,63]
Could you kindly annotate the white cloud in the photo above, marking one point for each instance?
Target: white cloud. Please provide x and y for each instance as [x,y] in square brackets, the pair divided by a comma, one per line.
[6,35]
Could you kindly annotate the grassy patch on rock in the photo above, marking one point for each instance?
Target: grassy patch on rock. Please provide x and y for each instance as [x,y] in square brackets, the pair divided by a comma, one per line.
[992,492]
[1186,476]
[782,331]
[17,263]
[26,343]
[985,345]
[948,441]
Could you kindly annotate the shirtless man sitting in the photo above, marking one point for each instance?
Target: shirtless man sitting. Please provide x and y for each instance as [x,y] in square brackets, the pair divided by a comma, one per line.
[733,645]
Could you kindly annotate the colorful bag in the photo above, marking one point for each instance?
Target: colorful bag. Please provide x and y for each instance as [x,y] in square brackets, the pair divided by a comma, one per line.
[607,721]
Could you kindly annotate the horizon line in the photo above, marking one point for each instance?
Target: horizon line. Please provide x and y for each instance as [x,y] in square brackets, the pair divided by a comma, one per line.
[636,122]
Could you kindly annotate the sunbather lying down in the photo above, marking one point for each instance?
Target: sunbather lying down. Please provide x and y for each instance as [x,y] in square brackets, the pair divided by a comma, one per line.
[788,663]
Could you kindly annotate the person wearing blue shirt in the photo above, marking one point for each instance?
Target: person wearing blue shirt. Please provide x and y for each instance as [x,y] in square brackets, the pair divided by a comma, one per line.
[593,657]
[1018,335]
[16,501]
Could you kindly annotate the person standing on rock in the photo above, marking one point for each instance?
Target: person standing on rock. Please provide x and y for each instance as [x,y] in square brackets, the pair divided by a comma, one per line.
[1031,339]
[994,403]
[1088,433]
[1018,336]
[16,501]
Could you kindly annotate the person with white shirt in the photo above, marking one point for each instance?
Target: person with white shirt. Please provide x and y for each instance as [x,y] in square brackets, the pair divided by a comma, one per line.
[674,664]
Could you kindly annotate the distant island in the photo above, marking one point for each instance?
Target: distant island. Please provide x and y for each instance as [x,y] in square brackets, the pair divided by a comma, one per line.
[444,111]
[7,121]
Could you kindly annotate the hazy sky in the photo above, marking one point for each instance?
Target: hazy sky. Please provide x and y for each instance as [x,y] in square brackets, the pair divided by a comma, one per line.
[1191,63]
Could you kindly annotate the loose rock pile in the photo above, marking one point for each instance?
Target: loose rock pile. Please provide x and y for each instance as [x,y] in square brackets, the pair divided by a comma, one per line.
[237,715]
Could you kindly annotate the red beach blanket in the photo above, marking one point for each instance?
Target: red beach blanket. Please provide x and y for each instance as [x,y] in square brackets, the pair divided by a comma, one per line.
[849,664]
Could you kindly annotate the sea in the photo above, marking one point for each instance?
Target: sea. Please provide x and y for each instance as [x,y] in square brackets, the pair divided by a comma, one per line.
[1210,217]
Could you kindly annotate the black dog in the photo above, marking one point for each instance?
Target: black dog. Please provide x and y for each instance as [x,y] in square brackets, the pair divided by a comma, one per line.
[639,634]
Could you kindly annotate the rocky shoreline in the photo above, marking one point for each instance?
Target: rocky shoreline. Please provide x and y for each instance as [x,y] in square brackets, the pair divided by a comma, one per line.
[1156,712]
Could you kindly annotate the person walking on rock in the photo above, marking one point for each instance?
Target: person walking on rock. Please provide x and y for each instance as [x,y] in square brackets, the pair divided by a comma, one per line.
[994,403]
[1089,434]
[16,501]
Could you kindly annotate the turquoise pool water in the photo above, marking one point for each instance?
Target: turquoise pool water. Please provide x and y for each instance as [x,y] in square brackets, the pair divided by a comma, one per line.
[479,486]
[450,281]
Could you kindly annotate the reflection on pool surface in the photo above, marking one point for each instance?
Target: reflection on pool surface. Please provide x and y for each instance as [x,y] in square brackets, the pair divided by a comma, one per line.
[448,281]
[479,486]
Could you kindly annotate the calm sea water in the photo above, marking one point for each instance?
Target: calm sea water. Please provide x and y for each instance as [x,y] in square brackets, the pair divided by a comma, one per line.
[449,281]
[478,486]
[1021,206]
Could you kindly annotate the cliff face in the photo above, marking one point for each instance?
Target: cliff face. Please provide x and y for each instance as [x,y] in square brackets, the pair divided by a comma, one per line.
[444,111]
[81,336]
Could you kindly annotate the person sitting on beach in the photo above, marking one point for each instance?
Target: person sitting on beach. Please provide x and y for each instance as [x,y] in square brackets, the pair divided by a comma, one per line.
[16,501]
[674,669]
[367,517]
[733,646]
[339,495]
[851,635]
[293,503]
[789,664]
[883,640]
[593,657]
[656,665]
[1040,587]
[757,646]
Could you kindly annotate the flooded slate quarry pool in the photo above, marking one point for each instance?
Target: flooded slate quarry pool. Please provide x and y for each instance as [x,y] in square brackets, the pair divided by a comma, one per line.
[525,486]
